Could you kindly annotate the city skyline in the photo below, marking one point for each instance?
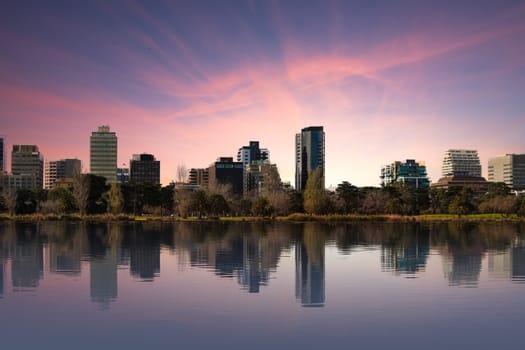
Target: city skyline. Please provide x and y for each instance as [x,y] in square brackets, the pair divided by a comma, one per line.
[189,82]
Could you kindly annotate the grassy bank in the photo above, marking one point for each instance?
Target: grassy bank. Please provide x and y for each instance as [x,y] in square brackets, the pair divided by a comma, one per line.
[297,217]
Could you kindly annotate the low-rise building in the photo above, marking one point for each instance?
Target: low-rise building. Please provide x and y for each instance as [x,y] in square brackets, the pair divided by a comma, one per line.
[409,172]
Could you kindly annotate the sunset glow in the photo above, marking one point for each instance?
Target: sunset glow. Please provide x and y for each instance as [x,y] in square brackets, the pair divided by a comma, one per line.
[189,81]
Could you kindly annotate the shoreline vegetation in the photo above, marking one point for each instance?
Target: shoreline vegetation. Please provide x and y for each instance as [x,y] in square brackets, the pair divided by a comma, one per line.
[297,217]
[90,199]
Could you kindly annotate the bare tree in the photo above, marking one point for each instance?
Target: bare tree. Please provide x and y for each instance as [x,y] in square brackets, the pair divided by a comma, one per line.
[10,198]
[273,190]
[183,201]
[224,189]
[182,173]
[81,192]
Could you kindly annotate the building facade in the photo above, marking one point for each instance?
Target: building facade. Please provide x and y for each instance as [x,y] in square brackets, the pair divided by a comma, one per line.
[3,169]
[199,177]
[261,177]
[227,172]
[60,169]
[252,152]
[410,172]
[309,154]
[27,162]
[461,162]
[122,175]
[103,154]
[461,168]
[144,168]
[509,169]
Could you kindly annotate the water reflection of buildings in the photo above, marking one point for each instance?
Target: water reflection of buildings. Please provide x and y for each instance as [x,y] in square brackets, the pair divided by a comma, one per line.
[65,257]
[103,278]
[309,268]
[2,268]
[508,263]
[27,263]
[409,258]
[500,263]
[144,255]
[248,257]
[462,267]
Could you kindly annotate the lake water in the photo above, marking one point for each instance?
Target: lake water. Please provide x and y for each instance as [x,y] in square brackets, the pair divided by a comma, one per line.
[262,286]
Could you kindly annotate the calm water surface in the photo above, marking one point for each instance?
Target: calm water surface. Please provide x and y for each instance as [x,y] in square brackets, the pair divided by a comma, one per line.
[261,286]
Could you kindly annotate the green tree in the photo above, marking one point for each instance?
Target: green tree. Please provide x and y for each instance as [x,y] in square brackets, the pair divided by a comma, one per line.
[462,203]
[375,201]
[262,207]
[350,196]
[65,202]
[295,202]
[166,202]
[521,206]
[115,199]
[315,199]
[26,202]
[497,189]
[97,203]
[218,205]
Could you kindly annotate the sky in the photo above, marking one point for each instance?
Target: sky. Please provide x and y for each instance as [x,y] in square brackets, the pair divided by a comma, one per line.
[190,81]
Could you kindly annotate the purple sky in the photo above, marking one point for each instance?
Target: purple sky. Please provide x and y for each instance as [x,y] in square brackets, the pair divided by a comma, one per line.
[190,81]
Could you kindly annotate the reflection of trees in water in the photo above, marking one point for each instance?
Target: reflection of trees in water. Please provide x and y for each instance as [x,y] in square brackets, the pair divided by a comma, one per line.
[250,251]
[27,258]
[406,248]
[247,251]
[464,245]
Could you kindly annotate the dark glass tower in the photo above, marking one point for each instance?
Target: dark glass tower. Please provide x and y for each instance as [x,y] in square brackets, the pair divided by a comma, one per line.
[2,155]
[145,168]
[309,154]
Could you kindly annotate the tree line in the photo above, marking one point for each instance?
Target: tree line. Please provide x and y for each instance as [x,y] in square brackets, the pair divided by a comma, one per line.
[90,195]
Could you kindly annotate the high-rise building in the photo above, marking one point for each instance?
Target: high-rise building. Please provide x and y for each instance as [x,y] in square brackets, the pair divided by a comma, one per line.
[461,162]
[199,177]
[227,172]
[309,154]
[247,154]
[27,163]
[410,172]
[509,169]
[144,168]
[103,154]
[2,156]
[60,169]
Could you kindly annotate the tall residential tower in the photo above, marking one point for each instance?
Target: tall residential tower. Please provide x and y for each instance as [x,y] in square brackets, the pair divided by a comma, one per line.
[309,154]
[103,154]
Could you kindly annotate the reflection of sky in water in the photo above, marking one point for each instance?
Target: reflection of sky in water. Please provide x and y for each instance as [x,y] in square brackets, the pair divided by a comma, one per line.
[84,287]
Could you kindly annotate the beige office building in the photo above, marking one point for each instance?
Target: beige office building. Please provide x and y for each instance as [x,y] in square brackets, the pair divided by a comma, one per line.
[103,154]
[509,169]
